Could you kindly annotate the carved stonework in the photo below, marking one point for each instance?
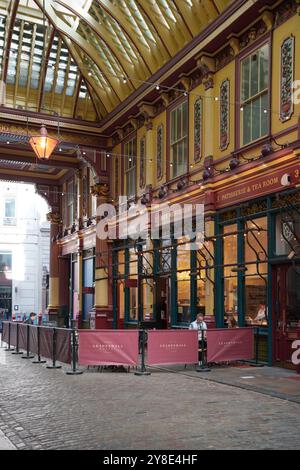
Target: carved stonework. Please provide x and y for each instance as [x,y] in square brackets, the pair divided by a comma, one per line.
[100,190]
[285,10]
[224,114]
[224,57]
[255,32]
[254,208]
[198,130]
[207,67]
[54,217]
[159,151]
[286,78]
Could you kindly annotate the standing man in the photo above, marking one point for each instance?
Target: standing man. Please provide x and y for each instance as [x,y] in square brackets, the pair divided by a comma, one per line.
[200,325]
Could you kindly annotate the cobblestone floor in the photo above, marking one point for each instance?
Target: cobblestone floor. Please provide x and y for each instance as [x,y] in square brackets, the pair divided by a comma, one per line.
[46,409]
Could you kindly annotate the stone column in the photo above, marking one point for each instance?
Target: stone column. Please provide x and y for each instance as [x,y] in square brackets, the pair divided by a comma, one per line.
[53,307]
[103,269]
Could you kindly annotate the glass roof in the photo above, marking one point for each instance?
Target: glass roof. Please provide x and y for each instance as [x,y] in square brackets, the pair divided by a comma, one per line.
[91,54]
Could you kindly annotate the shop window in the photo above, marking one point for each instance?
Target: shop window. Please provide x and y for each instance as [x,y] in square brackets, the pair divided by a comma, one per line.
[130,167]
[293,297]
[230,275]
[133,291]
[179,139]
[201,279]
[147,295]
[287,233]
[183,282]
[255,95]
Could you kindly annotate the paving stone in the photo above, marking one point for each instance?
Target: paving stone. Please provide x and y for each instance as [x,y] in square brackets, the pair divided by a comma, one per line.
[170,409]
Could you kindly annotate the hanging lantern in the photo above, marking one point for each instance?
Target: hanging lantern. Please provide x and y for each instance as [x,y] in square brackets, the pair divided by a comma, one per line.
[42,144]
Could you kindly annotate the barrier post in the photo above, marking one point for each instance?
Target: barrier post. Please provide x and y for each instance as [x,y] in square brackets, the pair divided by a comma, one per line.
[143,370]
[39,360]
[54,341]
[74,344]
[17,351]
[28,356]
[203,367]
[9,348]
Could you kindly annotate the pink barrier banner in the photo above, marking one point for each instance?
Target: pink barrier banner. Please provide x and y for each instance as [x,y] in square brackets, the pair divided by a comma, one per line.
[172,347]
[231,344]
[108,347]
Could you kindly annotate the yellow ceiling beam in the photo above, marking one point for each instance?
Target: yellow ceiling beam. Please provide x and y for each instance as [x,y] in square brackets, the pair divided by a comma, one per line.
[153,57]
[105,99]
[30,64]
[128,67]
[10,21]
[66,31]
[108,39]
[188,14]
[167,36]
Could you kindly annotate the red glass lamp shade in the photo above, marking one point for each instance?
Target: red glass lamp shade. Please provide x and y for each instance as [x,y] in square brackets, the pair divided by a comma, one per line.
[42,144]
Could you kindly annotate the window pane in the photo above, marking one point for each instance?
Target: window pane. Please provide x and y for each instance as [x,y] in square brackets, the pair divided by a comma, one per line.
[173,126]
[245,79]
[179,123]
[254,74]
[255,300]
[264,114]
[184,118]
[256,119]
[264,67]
[246,113]
[10,208]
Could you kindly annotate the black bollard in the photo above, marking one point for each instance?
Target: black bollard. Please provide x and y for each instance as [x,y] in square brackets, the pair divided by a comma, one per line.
[54,366]
[9,348]
[39,360]
[143,370]
[203,367]
[17,351]
[28,356]
[74,344]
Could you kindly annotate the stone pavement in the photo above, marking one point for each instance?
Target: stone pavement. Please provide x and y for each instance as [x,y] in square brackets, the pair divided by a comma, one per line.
[46,409]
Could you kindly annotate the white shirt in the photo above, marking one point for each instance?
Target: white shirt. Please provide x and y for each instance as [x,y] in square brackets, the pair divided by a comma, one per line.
[198,326]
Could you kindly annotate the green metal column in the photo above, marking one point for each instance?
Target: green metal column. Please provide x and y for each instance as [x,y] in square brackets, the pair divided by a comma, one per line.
[219,273]
[271,253]
[140,286]
[193,284]
[174,307]
[155,275]
[114,287]
[127,292]
[241,274]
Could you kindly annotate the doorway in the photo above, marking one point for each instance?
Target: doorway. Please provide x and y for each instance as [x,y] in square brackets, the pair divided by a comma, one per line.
[286,312]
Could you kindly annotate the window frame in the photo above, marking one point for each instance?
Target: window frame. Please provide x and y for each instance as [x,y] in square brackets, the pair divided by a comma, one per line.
[255,47]
[171,110]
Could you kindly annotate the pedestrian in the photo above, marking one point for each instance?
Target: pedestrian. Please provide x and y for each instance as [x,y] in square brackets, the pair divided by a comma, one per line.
[200,325]
[31,319]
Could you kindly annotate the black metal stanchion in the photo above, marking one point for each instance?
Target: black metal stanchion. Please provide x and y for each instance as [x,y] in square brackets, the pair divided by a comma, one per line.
[203,367]
[74,344]
[39,360]
[17,351]
[54,341]
[256,363]
[9,348]
[28,355]
[143,370]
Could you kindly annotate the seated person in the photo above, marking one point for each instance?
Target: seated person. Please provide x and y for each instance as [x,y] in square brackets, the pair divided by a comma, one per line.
[232,323]
[261,313]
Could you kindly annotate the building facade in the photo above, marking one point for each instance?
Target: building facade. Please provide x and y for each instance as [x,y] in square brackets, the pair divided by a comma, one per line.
[24,250]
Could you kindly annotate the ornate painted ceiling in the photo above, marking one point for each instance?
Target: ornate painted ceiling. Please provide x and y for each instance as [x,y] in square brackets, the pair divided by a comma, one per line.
[82,58]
